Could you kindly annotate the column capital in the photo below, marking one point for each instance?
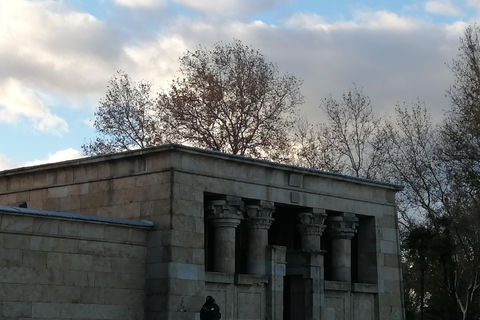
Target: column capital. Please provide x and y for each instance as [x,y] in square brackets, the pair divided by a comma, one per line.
[260,208]
[228,207]
[311,226]
[259,214]
[342,225]
[312,223]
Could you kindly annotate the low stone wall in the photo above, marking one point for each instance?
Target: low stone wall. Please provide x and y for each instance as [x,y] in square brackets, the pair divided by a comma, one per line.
[66,266]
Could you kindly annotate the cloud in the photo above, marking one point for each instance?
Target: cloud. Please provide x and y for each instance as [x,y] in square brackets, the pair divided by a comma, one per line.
[376,20]
[6,163]
[140,3]
[50,54]
[230,8]
[443,7]
[18,103]
[474,4]
[61,155]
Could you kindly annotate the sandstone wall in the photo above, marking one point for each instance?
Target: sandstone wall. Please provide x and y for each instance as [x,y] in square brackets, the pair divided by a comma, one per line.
[55,266]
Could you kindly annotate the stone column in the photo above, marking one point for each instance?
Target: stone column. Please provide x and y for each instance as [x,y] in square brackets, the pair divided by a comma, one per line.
[342,228]
[259,219]
[225,215]
[311,227]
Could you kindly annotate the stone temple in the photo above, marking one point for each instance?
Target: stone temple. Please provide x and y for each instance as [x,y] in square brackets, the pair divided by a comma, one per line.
[147,234]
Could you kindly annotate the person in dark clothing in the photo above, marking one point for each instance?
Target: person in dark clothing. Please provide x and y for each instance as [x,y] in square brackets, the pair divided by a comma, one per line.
[210,310]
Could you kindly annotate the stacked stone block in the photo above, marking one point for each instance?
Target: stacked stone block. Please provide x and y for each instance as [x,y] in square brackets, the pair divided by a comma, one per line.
[53,266]
[169,186]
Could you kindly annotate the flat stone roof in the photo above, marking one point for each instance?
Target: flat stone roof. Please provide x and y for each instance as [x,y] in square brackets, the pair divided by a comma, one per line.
[73,216]
[194,150]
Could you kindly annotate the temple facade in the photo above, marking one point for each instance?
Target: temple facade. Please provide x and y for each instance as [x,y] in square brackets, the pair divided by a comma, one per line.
[267,241]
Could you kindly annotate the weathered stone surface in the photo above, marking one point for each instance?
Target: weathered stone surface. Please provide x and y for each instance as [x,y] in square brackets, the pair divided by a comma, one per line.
[62,268]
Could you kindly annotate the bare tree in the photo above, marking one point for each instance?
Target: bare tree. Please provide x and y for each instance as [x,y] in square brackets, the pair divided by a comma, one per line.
[352,126]
[126,119]
[461,130]
[408,147]
[461,152]
[315,147]
[231,99]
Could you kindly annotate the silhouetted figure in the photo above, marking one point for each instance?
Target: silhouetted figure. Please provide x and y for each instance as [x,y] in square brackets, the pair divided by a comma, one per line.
[210,310]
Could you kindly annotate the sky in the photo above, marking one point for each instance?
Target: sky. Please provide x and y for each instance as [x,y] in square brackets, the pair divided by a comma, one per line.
[56,57]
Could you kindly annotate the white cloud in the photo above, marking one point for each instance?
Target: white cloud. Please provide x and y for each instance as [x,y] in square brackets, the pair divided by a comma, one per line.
[474,4]
[6,163]
[376,20]
[385,20]
[61,155]
[443,7]
[19,104]
[49,50]
[140,3]
[230,8]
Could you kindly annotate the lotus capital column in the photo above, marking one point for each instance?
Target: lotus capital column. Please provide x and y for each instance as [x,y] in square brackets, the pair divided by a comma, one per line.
[259,219]
[342,228]
[311,227]
[225,215]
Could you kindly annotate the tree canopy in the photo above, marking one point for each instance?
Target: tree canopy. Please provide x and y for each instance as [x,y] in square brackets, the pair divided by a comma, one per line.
[126,118]
[228,98]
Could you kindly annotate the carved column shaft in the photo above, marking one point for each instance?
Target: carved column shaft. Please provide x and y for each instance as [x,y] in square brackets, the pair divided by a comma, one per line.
[342,228]
[259,221]
[225,216]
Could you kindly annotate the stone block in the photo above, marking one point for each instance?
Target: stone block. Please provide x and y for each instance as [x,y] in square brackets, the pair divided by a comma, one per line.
[17,223]
[82,174]
[57,260]
[81,262]
[3,185]
[187,239]
[41,243]
[127,265]
[46,310]
[17,241]
[182,222]
[77,278]
[66,245]
[92,294]
[69,228]
[48,276]
[186,271]
[90,248]
[35,292]
[103,264]
[389,234]
[389,273]
[45,225]
[124,250]
[155,254]
[11,257]
[17,309]
[148,179]
[125,297]
[387,247]
[78,189]
[38,194]
[34,259]
[391,260]
[93,200]
[124,183]
[100,186]
[57,192]
[92,230]
[11,292]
